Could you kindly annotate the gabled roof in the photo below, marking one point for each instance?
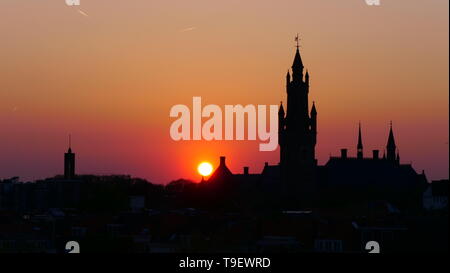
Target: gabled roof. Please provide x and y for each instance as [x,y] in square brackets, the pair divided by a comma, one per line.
[222,173]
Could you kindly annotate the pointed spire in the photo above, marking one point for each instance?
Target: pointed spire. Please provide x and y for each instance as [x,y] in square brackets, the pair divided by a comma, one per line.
[298,64]
[70,144]
[288,77]
[391,140]
[313,109]
[359,147]
[281,110]
[391,147]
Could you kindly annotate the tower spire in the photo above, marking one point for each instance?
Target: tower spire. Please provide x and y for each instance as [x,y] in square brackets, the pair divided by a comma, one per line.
[69,162]
[297,65]
[281,110]
[70,144]
[359,147]
[313,109]
[391,147]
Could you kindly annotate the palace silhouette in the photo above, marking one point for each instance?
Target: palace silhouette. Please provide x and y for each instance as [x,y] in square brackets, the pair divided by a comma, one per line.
[297,181]
[296,205]
[302,184]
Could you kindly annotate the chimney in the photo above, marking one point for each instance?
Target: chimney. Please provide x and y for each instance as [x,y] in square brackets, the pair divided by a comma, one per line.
[222,161]
[375,154]
[266,164]
[246,170]
[344,153]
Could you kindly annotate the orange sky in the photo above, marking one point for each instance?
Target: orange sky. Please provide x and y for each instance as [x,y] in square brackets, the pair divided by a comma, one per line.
[110,74]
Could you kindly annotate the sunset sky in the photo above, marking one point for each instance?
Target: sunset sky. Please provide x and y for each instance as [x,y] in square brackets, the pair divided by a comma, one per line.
[108,72]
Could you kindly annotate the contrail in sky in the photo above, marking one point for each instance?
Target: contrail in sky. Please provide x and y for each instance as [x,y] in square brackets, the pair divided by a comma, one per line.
[83,13]
[187,29]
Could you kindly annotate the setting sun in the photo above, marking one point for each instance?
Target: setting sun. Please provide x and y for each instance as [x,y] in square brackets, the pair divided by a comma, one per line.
[205,168]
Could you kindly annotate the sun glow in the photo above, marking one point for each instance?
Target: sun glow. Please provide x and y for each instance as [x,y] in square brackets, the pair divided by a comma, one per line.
[205,168]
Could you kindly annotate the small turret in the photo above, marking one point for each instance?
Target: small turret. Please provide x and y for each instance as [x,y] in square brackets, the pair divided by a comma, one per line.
[281,112]
[307,77]
[281,123]
[281,117]
[313,110]
[314,122]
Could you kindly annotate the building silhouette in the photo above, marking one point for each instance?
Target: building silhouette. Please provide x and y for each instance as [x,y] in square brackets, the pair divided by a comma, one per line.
[297,135]
[360,179]
[295,206]
[69,163]
[300,183]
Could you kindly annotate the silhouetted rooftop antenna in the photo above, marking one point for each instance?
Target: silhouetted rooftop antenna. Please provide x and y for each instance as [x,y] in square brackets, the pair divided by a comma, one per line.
[70,141]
